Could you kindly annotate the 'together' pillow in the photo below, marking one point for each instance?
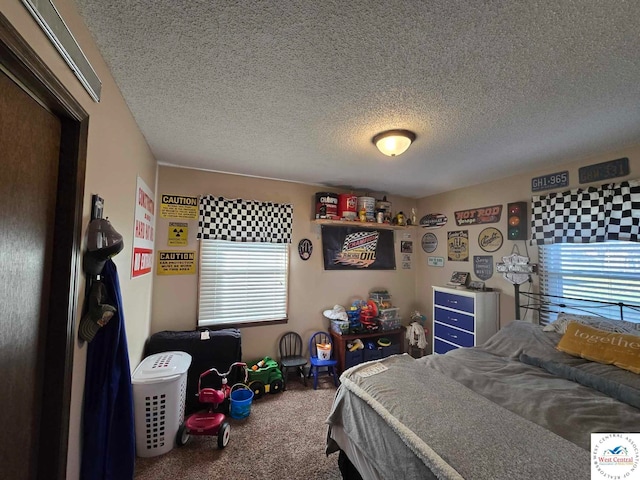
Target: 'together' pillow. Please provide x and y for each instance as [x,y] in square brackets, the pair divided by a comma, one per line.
[610,348]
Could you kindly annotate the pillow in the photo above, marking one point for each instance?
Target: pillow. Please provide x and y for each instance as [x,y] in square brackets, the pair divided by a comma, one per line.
[601,323]
[610,348]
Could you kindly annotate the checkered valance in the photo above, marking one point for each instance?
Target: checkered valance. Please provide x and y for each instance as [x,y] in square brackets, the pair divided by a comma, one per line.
[244,220]
[595,214]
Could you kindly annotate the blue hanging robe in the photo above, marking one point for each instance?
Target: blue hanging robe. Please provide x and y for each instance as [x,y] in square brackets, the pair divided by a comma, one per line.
[108,431]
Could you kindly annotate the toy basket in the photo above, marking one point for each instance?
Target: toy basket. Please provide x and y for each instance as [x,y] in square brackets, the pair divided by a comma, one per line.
[341,327]
[387,324]
[240,401]
[388,313]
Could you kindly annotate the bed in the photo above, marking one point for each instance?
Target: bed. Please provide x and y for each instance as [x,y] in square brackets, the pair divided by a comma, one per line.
[514,407]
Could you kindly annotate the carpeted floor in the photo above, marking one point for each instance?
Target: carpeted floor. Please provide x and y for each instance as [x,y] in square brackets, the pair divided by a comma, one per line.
[282,438]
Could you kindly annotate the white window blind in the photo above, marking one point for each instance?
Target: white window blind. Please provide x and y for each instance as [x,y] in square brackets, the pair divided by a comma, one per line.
[242,282]
[605,272]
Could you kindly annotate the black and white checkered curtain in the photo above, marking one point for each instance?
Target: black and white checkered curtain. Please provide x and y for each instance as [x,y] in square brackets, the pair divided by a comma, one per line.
[595,214]
[244,220]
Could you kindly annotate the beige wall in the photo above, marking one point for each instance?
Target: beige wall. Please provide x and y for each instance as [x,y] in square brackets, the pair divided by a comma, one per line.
[501,192]
[311,289]
[117,154]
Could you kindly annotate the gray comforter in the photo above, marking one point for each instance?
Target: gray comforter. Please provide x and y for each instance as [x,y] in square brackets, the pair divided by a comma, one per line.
[513,408]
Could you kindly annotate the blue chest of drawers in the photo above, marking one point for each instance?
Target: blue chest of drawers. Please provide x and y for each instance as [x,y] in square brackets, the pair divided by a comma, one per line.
[463,318]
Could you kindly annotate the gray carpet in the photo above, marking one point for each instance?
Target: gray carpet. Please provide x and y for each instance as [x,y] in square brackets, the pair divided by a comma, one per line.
[282,438]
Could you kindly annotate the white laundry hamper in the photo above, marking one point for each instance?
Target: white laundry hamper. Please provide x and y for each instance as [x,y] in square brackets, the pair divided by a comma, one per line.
[159,395]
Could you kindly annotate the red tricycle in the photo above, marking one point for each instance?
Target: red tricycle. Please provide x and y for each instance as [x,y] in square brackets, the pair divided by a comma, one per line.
[209,421]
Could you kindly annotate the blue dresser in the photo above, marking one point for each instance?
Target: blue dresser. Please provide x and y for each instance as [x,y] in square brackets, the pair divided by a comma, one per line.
[463,318]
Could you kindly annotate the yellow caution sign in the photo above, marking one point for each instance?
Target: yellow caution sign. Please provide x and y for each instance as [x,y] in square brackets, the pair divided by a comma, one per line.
[178,234]
[174,262]
[179,206]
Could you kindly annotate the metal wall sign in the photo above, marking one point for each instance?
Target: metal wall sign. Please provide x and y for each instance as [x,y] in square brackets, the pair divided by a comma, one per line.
[305,249]
[548,182]
[490,239]
[458,245]
[429,242]
[433,220]
[604,170]
[483,266]
[435,261]
[480,215]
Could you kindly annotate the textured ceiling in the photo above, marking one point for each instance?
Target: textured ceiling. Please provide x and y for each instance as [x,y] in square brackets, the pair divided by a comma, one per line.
[295,90]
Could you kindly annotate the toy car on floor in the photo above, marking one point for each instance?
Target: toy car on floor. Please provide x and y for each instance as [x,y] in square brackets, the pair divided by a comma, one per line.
[265,377]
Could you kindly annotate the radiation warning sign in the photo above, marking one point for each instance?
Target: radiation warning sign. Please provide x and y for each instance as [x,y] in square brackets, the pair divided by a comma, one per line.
[178,234]
[173,262]
[179,206]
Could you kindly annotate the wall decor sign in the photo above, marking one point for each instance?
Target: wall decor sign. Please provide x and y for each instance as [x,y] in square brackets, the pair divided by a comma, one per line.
[172,262]
[547,182]
[357,248]
[490,239]
[604,170]
[143,230]
[435,261]
[406,246]
[305,248]
[458,245]
[429,242]
[179,206]
[483,266]
[433,220]
[178,234]
[479,215]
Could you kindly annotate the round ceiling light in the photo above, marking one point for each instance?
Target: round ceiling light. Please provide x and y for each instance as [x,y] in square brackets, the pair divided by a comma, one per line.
[393,142]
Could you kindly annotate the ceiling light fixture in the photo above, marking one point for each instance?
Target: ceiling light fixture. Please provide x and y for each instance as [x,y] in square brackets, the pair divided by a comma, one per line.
[394,142]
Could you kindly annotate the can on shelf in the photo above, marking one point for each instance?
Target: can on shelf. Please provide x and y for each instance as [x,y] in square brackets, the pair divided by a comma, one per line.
[327,205]
[347,206]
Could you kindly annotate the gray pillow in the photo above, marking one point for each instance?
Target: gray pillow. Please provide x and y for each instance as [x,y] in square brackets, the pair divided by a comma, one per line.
[601,323]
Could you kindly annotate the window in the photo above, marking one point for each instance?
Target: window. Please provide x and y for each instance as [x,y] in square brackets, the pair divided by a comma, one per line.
[606,272]
[242,282]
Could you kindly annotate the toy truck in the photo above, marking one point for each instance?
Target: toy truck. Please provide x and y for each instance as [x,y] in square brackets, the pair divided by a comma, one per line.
[264,377]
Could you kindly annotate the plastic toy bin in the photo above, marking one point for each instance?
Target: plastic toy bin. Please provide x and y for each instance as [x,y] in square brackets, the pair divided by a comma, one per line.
[159,395]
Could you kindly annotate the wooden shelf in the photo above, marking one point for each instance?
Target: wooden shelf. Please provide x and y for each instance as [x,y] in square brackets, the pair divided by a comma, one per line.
[353,223]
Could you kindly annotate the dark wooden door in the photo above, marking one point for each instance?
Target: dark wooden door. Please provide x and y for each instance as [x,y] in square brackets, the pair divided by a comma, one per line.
[29,153]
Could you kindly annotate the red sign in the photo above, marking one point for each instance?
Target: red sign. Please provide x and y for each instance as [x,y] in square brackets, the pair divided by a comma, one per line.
[141,261]
[479,215]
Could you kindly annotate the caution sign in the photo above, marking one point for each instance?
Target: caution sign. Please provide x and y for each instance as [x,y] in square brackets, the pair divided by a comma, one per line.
[178,234]
[179,206]
[176,263]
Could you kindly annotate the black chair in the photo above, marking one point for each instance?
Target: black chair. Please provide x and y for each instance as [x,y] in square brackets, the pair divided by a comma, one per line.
[319,362]
[291,356]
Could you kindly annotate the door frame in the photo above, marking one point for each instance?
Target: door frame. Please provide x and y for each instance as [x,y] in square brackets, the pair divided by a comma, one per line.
[55,356]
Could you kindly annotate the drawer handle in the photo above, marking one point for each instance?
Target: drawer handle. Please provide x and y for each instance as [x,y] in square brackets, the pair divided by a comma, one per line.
[453,318]
[453,336]
[453,301]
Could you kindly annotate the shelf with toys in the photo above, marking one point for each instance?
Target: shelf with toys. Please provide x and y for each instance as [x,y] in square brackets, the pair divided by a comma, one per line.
[368,330]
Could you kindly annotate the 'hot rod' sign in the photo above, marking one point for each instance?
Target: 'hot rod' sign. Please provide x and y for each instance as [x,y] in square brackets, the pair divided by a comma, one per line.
[479,215]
